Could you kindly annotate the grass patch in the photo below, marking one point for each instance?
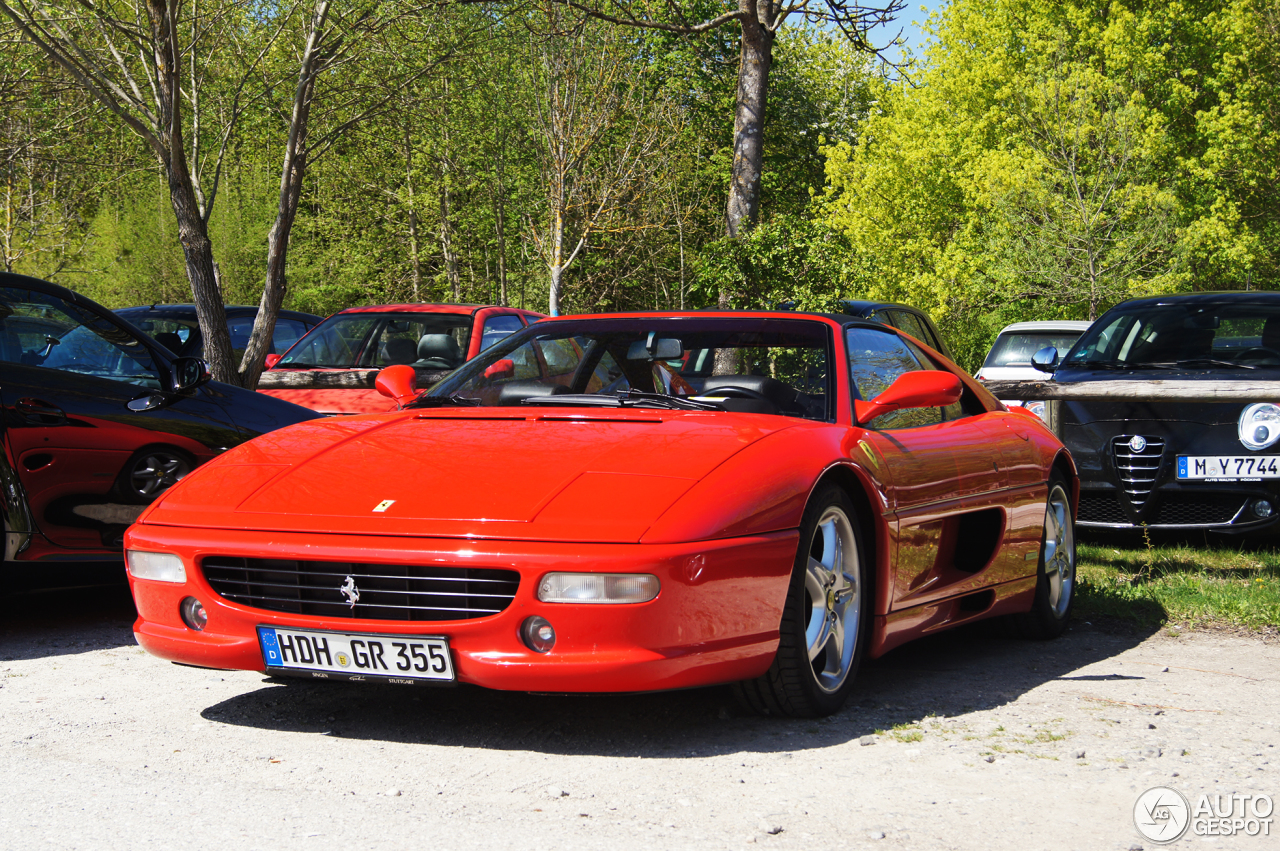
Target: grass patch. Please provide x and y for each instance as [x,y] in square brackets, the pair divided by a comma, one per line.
[1155,585]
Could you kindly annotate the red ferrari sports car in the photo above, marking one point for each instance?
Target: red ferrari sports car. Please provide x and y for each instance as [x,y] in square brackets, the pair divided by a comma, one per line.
[623,503]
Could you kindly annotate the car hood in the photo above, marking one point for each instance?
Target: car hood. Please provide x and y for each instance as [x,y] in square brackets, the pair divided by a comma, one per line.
[541,474]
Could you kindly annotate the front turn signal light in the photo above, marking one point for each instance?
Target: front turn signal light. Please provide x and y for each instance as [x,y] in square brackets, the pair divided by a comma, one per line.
[598,588]
[158,567]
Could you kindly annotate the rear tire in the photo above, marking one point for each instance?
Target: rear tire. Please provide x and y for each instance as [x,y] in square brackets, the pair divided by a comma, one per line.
[825,620]
[1056,574]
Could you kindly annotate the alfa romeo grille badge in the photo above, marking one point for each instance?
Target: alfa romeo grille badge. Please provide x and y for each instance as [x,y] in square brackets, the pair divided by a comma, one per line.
[350,592]
[1137,443]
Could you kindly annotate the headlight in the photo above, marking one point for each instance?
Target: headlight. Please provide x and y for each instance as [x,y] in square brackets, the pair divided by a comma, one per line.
[1036,408]
[158,567]
[1260,425]
[598,588]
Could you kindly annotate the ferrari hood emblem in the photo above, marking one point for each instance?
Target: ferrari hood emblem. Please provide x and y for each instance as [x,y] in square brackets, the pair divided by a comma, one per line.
[383,506]
[349,590]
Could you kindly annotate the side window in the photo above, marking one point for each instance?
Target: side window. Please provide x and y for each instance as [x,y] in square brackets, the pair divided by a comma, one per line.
[876,360]
[562,356]
[607,377]
[911,323]
[42,330]
[288,332]
[497,327]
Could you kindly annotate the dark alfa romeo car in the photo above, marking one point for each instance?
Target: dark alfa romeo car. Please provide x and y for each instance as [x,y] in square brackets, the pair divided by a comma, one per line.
[1176,464]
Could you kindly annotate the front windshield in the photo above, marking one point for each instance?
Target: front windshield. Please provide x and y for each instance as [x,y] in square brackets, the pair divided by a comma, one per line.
[776,366]
[375,340]
[1016,348]
[1234,334]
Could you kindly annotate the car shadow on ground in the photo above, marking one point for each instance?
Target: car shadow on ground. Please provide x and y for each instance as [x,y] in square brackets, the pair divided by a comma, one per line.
[945,675]
[61,610]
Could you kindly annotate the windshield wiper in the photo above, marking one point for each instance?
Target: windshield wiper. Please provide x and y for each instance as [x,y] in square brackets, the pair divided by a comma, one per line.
[625,399]
[1115,364]
[444,402]
[1214,362]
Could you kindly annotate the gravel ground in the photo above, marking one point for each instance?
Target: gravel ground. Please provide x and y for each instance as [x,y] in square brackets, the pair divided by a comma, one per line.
[960,741]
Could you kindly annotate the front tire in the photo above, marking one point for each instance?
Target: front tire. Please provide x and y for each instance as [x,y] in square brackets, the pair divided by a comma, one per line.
[1056,575]
[825,620]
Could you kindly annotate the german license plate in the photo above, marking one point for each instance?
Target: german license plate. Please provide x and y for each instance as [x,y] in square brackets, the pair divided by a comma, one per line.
[353,656]
[1228,468]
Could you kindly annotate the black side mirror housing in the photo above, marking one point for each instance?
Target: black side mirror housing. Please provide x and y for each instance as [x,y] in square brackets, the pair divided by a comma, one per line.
[188,374]
[1045,360]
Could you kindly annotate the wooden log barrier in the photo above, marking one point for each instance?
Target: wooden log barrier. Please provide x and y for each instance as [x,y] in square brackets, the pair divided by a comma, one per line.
[338,379]
[1152,390]
[305,379]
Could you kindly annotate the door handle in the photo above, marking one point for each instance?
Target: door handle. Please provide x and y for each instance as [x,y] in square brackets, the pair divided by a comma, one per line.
[41,412]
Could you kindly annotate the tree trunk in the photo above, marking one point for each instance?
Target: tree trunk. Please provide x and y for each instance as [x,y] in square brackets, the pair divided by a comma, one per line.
[754,64]
[743,208]
[192,233]
[415,257]
[292,173]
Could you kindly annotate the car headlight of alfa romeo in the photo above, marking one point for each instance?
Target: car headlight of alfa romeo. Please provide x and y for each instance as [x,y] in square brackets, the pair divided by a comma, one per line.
[1260,425]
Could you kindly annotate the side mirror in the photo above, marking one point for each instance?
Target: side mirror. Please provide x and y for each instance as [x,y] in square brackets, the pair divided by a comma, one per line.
[398,382]
[931,388]
[499,369]
[271,361]
[1045,360]
[189,373]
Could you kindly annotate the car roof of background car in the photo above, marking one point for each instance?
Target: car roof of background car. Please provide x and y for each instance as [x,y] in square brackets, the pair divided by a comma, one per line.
[863,308]
[1048,325]
[1206,298]
[423,308]
[231,310]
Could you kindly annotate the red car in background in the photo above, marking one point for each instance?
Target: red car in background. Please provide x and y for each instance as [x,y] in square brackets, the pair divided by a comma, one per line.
[332,368]
[561,514]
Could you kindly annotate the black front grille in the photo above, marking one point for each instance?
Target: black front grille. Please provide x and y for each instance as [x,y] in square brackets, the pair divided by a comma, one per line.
[386,591]
[1137,469]
[1196,510]
[1101,508]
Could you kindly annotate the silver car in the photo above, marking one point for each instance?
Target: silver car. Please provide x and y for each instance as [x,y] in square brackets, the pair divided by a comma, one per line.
[1010,355]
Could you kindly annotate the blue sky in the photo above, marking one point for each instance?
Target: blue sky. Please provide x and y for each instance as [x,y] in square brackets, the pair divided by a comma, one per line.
[910,21]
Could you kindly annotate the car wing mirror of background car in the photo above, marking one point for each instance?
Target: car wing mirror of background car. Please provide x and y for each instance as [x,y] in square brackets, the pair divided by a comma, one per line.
[188,374]
[398,382]
[922,389]
[500,369]
[271,361]
[1045,360]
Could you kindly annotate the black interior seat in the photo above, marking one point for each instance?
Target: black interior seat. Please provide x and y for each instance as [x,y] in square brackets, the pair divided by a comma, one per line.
[438,351]
[170,340]
[398,350]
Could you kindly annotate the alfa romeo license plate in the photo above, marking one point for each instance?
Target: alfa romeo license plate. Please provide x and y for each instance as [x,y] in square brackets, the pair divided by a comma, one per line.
[354,656]
[1228,468]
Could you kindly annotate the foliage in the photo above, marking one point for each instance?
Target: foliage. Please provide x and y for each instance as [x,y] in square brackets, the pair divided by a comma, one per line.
[1055,158]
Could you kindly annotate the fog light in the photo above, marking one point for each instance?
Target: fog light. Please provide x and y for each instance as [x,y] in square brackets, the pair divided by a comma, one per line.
[537,634]
[193,613]
[1262,508]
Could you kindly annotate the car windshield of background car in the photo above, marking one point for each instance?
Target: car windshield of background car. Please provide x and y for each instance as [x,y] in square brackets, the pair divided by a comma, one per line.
[1228,334]
[377,339]
[610,357]
[287,332]
[71,339]
[1016,348]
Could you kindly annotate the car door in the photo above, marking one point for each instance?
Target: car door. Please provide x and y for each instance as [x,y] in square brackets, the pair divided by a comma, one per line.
[946,478]
[87,461]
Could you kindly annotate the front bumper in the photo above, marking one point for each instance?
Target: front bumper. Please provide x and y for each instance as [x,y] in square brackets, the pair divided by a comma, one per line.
[715,619]
[1123,488]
